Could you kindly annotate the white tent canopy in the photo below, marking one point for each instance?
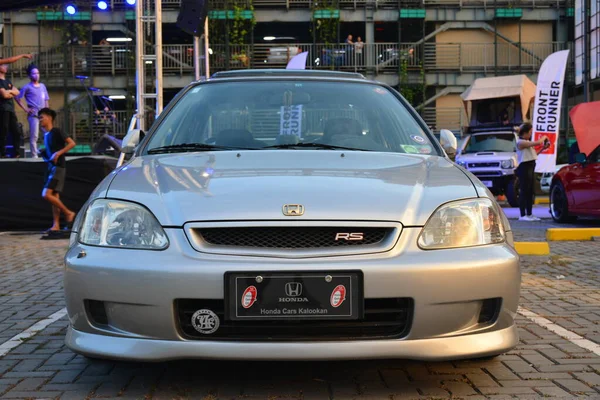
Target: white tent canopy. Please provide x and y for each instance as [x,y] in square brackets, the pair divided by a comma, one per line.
[499,87]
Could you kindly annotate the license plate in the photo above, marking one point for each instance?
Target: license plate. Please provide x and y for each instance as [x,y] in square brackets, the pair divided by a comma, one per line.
[293,295]
[488,183]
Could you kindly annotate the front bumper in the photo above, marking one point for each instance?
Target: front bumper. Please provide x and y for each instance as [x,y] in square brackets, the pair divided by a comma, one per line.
[496,183]
[459,347]
[139,289]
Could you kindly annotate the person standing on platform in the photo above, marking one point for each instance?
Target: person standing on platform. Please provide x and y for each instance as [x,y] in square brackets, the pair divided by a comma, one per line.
[36,98]
[57,143]
[8,117]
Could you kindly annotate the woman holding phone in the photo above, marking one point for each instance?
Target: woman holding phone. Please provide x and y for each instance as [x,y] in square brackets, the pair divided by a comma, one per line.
[526,157]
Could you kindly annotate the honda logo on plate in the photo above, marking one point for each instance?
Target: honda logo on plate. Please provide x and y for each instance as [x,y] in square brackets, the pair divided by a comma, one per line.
[293,289]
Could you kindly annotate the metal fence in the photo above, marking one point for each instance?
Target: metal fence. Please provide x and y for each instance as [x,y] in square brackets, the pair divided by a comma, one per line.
[382,57]
[354,4]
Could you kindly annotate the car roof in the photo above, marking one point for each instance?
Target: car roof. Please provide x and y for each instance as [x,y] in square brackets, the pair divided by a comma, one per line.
[287,73]
[497,132]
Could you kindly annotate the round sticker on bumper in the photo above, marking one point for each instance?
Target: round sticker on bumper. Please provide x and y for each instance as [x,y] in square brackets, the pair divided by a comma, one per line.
[205,321]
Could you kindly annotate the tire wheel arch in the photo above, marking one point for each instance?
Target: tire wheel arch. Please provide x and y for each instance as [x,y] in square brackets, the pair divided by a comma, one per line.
[559,210]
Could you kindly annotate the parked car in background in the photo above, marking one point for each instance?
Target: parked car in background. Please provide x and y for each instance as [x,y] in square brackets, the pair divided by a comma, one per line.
[281,49]
[546,180]
[575,189]
[492,157]
[494,107]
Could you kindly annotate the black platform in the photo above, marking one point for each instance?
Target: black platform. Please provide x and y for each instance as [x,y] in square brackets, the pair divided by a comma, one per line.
[22,182]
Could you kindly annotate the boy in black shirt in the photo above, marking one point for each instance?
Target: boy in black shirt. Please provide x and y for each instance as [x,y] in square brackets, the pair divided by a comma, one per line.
[57,145]
[8,117]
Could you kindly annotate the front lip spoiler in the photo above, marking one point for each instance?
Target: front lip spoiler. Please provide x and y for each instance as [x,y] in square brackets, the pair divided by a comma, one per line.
[436,349]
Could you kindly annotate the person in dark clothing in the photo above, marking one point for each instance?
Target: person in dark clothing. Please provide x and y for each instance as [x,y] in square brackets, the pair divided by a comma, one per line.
[526,156]
[8,118]
[57,144]
[573,151]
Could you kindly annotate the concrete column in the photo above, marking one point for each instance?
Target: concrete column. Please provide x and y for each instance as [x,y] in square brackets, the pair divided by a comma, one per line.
[562,31]
[370,39]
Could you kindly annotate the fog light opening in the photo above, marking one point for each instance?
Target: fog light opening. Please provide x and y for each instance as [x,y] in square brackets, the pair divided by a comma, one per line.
[490,309]
[96,311]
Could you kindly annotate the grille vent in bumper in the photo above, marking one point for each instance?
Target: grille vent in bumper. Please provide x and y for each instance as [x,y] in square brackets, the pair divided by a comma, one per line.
[388,318]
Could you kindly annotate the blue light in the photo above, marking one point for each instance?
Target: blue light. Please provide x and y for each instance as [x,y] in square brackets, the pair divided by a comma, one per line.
[71,10]
[102,5]
[131,2]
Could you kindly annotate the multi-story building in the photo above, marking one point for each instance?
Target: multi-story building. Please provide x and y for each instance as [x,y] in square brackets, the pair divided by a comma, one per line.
[431,49]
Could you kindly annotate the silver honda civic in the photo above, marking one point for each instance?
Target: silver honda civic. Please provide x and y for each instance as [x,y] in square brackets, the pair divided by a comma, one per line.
[290,215]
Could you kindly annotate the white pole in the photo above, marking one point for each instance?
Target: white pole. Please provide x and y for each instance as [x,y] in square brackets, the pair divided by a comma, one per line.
[139,61]
[206,54]
[159,58]
[197,57]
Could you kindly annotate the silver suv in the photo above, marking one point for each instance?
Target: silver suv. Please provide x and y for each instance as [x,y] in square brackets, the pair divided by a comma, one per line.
[491,157]
[337,230]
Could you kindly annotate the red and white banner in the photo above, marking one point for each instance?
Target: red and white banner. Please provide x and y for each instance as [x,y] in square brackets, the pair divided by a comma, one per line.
[546,112]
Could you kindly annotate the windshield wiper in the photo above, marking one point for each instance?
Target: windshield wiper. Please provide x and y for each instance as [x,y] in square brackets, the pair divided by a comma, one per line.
[313,145]
[184,147]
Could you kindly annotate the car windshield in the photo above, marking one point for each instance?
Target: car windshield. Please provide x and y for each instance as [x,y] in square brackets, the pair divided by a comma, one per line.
[294,114]
[498,142]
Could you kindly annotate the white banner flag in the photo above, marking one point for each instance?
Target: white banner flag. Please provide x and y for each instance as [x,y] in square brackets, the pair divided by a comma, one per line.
[546,112]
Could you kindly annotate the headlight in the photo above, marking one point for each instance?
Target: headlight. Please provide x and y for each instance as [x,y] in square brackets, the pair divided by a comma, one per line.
[462,163]
[462,223]
[507,164]
[115,223]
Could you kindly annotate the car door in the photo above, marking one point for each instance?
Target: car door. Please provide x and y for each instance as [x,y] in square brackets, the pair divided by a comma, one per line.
[590,195]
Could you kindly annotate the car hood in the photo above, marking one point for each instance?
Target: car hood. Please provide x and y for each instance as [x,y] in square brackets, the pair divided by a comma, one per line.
[254,185]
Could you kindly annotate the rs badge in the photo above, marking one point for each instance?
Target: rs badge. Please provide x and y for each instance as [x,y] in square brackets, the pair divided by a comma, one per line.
[338,296]
[249,297]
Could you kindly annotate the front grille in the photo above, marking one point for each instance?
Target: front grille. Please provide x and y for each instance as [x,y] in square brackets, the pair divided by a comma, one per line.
[484,165]
[291,238]
[484,174]
[388,318]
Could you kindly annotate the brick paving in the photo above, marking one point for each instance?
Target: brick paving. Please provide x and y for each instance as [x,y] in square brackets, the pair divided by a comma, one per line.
[563,287]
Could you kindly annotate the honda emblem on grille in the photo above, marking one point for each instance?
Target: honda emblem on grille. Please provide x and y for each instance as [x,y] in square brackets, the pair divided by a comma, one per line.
[293,289]
[293,210]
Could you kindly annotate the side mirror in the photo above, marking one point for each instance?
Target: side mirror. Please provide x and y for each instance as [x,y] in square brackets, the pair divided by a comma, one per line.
[580,158]
[131,140]
[448,141]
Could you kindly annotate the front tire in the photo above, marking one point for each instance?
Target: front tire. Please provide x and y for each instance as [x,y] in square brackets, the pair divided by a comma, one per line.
[559,205]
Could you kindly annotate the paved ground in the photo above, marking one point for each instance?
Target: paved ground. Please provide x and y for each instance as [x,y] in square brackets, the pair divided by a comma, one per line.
[563,288]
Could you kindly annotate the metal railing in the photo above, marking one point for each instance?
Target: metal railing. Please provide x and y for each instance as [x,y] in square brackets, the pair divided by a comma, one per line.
[381,57]
[344,4]
[487,56]
[113,123]
[438,118]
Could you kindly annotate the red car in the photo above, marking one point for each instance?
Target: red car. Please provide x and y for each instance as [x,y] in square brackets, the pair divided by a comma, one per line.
[575,189]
